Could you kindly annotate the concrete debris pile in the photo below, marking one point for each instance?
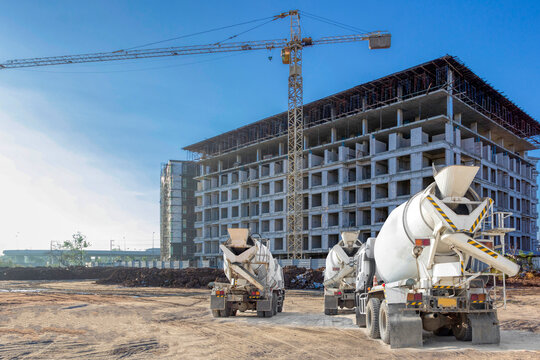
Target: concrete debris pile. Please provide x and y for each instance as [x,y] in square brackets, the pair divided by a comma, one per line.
[183,278]
[302,278]
[529,278]
[54,273]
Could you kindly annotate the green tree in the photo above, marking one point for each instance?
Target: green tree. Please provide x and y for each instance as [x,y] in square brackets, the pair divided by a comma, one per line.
[75,249]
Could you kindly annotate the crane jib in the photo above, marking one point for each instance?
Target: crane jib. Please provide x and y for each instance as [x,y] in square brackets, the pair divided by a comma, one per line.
[181,50]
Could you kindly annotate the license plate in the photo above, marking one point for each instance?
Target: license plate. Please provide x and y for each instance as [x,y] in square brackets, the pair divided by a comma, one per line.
[447,302]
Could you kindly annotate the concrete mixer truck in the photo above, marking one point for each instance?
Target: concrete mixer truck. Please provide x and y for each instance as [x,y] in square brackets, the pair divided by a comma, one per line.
[340,273]
[431,266]
[256,278]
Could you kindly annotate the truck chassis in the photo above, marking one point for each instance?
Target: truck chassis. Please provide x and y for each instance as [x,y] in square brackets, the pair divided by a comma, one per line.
[227,299]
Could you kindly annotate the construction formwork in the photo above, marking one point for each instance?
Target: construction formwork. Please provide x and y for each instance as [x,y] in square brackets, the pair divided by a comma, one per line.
[366,150]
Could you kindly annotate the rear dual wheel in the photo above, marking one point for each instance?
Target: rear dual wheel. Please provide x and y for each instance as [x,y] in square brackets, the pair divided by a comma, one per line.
[462,329]
[372,318]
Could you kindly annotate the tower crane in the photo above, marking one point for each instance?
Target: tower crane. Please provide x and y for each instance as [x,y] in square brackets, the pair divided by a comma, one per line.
[291,54]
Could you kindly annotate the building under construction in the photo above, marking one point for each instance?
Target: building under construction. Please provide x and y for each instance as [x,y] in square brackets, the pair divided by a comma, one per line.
[366,150]
[177,204]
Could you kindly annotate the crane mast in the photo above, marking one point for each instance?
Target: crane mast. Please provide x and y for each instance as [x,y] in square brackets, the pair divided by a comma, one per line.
[291,54]
[295,140]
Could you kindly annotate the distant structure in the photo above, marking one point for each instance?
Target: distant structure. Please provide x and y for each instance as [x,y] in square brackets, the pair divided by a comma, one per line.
[177,204]
[366,150]
[53,257]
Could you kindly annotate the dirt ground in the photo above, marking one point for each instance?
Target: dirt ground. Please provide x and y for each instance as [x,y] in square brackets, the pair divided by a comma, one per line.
[83,320]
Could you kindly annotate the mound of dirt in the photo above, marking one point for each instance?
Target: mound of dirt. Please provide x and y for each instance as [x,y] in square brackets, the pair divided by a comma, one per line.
[183,278]
[530,278]
[55,273]
[295,278]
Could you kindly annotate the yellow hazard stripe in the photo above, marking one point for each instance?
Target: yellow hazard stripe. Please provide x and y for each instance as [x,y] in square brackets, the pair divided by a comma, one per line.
[445,217]
[483,248]
[481,216]
[415,303]
[462,268]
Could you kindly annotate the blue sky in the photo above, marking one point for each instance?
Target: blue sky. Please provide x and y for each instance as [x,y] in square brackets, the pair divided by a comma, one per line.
[82,144]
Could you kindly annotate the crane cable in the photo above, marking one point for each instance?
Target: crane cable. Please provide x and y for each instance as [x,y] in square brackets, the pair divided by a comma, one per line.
[200,33]
[332,22]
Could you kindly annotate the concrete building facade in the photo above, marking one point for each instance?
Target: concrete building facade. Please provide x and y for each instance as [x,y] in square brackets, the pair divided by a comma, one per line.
[366,150]
[177,205]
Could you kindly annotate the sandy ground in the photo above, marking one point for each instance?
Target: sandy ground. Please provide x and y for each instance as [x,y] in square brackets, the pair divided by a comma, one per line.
[82,320]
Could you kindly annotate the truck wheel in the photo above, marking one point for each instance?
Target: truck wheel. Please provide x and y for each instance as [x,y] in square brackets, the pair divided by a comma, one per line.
[444,331]
[372,318]
[384,322]
[268,314]
[462,329]
[327,311]
[216,313]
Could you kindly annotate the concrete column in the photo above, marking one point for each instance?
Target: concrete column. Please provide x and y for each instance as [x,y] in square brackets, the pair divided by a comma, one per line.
[474,127]
[416,136]
[220,165]
[449,98]
[364,126]
[488,135]
[364,103]
[238,159]
[333,135]
[457,118]
[449,133]
[400,93]
[457,136]
[392,166]
[259,155]
[392,142]
[449,157]
[399,117]
[416,161]
[281,147]
[392,191]
[306,142]
[371,146]
[416,185]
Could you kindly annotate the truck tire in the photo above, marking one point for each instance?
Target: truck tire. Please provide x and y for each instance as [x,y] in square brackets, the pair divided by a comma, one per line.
[443,331]
[462,329]
[280,305]
[216,313]
[372,318]
[261,314]
[384,322]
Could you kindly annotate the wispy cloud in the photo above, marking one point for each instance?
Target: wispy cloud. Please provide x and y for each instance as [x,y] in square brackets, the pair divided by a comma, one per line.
[50,187]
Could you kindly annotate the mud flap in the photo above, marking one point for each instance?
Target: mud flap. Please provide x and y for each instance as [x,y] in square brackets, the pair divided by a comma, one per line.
[485,328]
[330,302]
[405,327]
[264,305]
[217,303]
[360,318]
